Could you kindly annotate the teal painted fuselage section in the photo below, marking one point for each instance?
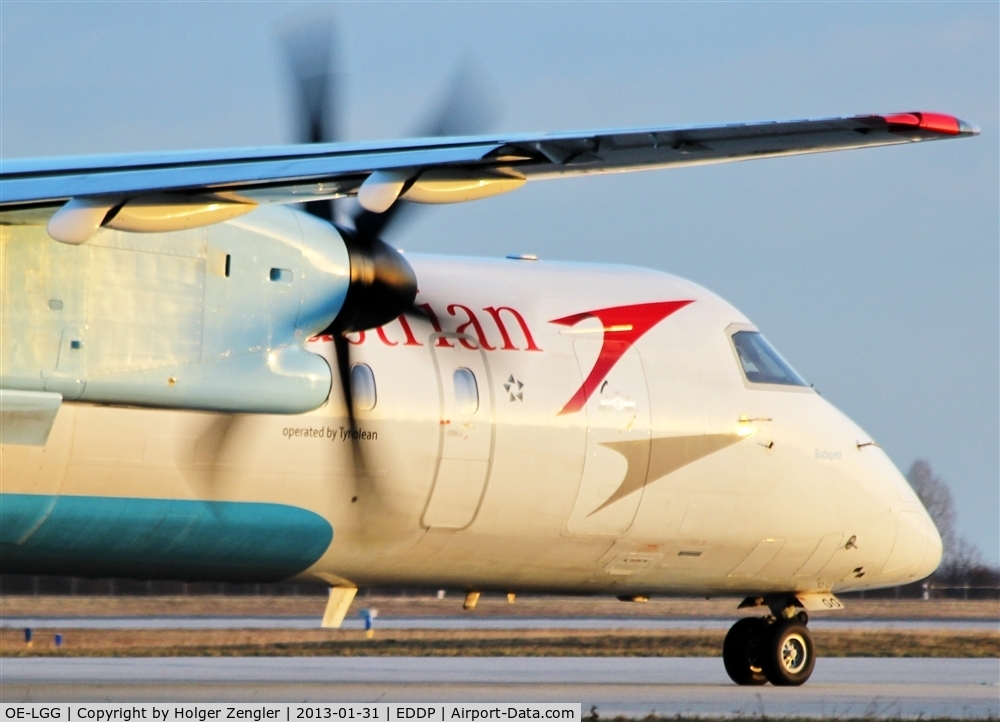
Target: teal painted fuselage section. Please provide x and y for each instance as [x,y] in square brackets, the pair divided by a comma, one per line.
[158,538]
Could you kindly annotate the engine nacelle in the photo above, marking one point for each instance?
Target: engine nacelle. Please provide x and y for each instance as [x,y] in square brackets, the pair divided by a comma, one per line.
[213,318]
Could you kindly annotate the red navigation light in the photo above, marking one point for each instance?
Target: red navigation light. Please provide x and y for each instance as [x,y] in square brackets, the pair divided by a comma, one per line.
[936,122]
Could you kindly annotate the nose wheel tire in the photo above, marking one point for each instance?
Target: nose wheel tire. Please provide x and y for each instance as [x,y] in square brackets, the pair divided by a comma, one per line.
[743,650]
[788,655]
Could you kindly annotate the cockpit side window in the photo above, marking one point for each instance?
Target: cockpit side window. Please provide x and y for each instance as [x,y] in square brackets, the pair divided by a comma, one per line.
[761,363]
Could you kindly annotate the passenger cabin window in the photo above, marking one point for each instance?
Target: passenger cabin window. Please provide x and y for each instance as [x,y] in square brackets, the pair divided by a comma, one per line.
[761,363]
[466,391]
[363,387]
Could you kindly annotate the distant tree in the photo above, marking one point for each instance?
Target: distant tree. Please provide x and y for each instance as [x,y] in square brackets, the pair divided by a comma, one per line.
[936,498]
[962,563]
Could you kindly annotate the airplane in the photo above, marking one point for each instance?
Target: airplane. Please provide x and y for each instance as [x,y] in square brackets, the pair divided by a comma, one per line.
[200,381]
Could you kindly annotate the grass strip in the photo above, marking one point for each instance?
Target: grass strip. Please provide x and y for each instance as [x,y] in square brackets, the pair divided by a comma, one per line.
[490,605]
[481,643]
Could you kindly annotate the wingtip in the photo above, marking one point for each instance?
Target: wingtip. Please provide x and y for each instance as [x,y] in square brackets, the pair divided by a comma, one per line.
[967,128]
[934,122]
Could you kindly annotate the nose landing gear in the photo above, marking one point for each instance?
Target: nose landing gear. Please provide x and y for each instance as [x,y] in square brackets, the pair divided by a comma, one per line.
[741,652]
[765,649]
[789,656]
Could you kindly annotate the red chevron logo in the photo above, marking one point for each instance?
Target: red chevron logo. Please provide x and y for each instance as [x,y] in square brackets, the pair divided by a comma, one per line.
[623,326]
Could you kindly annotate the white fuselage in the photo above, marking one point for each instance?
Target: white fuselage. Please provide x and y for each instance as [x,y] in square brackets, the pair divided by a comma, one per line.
[668,473]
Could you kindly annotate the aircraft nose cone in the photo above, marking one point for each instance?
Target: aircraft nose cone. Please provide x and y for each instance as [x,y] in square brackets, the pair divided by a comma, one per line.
[917,550]
[934,549]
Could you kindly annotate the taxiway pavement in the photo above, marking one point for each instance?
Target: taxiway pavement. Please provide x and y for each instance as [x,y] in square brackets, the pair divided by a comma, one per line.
[852,687]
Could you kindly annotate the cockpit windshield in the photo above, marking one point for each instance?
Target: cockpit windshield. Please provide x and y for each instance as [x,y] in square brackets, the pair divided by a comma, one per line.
[761,363]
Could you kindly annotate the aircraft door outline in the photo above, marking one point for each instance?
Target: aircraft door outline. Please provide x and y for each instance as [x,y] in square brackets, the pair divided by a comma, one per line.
[467,435]
[619,432]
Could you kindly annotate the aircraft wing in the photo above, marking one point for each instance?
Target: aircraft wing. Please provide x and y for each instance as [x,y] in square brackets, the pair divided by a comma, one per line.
[430,170]
[149,320]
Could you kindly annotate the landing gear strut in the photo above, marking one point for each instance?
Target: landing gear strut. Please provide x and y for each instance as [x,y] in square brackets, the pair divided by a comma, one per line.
[766,649]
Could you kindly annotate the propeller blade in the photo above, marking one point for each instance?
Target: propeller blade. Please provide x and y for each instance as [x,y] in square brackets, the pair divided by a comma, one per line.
[211,444]
[343,349]
[417,312]
[468,106]
[382,282]
[368,225]
[310,48]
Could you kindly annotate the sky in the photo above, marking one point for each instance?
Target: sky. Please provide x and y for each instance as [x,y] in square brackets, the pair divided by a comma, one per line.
[874,272]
